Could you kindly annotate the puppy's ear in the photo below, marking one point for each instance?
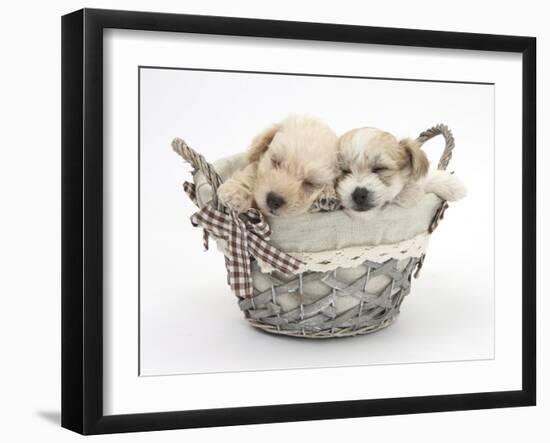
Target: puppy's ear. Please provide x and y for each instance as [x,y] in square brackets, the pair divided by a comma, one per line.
[261,143]
[416,158]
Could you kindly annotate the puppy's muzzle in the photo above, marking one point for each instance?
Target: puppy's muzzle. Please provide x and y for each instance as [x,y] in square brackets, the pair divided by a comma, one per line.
[361,199]
[274,201]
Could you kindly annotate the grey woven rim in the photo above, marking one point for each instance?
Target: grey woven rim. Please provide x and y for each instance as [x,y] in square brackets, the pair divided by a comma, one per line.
[372,310]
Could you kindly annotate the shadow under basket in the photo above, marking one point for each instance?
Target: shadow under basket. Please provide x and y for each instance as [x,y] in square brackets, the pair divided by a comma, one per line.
[341,291]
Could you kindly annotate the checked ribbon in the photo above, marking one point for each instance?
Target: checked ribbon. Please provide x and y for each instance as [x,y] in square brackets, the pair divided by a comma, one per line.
[246,235]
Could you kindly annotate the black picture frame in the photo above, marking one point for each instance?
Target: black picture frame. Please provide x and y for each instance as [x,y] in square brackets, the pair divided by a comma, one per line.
[82,220]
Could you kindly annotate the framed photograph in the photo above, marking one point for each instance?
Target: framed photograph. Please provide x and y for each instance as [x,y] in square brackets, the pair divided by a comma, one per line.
[367,197]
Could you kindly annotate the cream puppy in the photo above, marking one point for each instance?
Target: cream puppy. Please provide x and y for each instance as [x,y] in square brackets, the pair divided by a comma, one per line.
[289,165]
[377,169]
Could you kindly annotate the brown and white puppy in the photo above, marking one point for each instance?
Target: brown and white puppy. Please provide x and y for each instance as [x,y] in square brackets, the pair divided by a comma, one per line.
[288,166]
[377,169]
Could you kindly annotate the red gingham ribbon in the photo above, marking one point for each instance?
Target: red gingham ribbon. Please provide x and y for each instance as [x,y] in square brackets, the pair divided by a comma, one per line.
[246,235]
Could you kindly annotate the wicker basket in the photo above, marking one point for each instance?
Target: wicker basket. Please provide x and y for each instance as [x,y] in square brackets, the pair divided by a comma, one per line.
[338,302]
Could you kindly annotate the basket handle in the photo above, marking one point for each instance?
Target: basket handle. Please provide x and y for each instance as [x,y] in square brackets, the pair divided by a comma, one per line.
[199,163]
[449,143]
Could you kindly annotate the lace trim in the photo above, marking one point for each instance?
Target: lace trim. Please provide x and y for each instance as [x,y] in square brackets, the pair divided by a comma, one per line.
[353,256]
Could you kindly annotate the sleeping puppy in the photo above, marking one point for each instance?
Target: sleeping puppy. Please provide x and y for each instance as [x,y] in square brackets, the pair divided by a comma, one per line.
[377,169]
[288,166]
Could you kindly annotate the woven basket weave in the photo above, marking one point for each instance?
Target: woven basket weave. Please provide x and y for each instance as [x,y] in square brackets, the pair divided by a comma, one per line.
[341,302]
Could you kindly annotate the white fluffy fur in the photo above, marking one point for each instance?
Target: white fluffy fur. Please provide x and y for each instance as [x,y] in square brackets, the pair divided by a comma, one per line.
[445,185]
[441,183]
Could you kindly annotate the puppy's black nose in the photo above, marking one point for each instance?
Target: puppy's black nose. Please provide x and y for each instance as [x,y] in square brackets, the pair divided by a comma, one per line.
[274,201]
[360,197]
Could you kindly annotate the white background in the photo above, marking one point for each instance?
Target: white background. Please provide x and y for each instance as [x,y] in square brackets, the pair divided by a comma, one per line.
[127,393]
[30,171]
[190,322]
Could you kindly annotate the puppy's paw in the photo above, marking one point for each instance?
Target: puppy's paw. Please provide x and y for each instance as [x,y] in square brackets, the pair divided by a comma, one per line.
[234,197]
[445,185]
[327,201]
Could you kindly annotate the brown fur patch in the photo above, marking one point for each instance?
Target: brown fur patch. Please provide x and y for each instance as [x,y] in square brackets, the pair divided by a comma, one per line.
[416,157]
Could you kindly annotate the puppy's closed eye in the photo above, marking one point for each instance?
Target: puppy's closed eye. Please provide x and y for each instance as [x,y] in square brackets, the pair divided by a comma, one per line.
[310,186]
[275,162]
[378,169]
